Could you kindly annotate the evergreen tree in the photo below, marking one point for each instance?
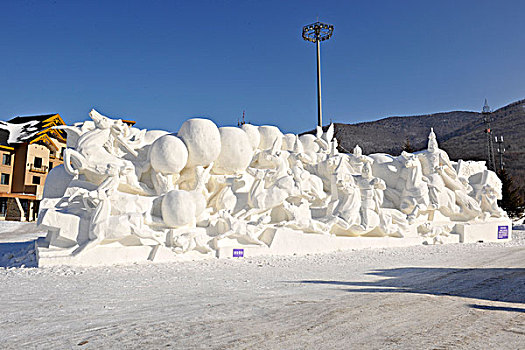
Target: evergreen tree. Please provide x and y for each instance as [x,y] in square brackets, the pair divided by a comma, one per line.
[407,147]
[513,201]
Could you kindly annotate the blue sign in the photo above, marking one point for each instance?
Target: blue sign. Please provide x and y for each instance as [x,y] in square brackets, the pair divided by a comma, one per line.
[238,253]
[503,232]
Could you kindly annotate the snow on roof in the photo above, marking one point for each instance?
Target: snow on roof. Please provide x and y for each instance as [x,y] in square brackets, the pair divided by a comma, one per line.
[20,132]
[25,129]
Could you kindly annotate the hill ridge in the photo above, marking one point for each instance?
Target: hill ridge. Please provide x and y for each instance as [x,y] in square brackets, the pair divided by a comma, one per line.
[460,133]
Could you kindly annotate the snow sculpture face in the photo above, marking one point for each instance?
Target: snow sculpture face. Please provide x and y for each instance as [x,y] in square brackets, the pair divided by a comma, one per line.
[168,155]
[101,122]
[203,141]
[357,151]
[236,151]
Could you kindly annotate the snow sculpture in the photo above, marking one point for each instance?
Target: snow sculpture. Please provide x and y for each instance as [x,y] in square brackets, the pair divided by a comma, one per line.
[126,194]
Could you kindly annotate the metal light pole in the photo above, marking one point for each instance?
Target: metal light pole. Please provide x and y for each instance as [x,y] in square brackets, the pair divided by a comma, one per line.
[315,33]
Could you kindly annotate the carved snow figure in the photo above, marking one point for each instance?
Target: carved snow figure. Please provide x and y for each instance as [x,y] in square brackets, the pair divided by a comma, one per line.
[438,172]
[371,197]
[273,183]
[448,193]
[92,155]
[406,187]
[126,195]
[414,195]
[345,204]
[487,191]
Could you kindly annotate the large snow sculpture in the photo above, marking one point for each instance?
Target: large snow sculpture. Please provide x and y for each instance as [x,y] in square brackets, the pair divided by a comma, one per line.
[126,194]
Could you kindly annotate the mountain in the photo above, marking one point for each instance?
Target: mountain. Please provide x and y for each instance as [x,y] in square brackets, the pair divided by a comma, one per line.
[460,133]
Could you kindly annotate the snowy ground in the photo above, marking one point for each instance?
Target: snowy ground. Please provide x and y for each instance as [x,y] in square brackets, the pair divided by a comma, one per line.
[459,296]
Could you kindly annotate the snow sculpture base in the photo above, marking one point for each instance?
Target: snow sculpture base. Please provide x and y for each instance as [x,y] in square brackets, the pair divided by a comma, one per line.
[489,231]
[283,241]
[110,254]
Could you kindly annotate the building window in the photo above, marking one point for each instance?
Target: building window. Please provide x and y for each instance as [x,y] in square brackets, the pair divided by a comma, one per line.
[50,165]
[38,162]
[4,179]
[3,206]
[36,180]
[6,159]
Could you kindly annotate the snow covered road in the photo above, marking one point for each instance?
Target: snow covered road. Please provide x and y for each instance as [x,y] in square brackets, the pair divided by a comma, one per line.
[458,296]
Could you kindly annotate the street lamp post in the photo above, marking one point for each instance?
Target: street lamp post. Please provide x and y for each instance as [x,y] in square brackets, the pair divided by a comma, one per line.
[315,33]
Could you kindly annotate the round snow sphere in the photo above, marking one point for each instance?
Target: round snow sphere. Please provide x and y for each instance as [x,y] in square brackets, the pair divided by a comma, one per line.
[269,134]
[253,135]
[203,140]
[309,143]
[288,142]
[236,151]
[168,155]
[178,208]
[153,135]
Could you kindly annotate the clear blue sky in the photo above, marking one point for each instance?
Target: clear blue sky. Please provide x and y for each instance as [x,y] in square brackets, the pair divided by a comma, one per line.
[161,62]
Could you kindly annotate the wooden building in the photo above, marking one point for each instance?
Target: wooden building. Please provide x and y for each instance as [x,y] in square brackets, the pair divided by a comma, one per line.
[29,149]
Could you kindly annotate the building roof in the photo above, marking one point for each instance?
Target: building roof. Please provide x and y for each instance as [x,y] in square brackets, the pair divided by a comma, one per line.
[25,119]
[28,128]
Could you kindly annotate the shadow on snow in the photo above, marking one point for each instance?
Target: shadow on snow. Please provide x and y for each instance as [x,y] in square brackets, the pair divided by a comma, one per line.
[494,284]
[18,254]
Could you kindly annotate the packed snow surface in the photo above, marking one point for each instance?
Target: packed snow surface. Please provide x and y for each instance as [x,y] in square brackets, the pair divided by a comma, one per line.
[454,296]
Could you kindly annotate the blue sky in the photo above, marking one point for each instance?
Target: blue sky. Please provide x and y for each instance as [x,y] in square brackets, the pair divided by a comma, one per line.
[161,62]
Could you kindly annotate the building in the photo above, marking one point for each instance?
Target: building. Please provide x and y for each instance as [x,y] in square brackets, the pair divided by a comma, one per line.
[29,148]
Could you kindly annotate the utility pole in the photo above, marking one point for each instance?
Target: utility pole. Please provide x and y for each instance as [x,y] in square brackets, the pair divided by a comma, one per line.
[315,33]
[487,118]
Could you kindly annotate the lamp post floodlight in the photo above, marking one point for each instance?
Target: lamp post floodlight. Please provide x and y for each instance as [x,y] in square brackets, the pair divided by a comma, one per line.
[315,33]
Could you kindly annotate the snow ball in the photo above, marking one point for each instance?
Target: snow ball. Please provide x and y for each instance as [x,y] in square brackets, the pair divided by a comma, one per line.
[178,208]
[153,135]
[168,155]
[253,135]
[203,140]
[269,134]
[236,151]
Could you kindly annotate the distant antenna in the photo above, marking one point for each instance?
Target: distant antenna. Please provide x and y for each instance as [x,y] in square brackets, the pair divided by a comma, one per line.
[501,150]
[241,123]
[486,107]
[487,118]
